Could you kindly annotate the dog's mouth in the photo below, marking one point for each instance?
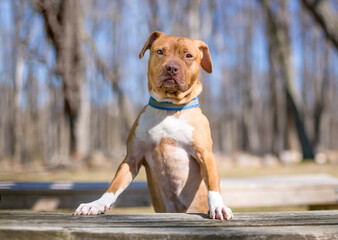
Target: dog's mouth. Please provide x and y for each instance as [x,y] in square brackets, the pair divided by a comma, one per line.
[170,81]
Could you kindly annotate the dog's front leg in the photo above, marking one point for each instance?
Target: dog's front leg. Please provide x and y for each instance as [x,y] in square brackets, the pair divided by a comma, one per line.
[210,174]
[126,172]
[123,177]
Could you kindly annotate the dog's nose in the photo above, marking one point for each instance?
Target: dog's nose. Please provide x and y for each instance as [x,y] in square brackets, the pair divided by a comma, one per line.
[172,69]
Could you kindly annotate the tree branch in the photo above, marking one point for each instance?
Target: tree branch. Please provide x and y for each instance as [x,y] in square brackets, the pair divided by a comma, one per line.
[49,13]
[323,15]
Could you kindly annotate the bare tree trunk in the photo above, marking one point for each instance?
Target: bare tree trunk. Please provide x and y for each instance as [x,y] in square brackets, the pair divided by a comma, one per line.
[321,86]
[280,32]
[248,118]
[305,62]
[18,82]
[277,138]
[64,26]
[17,125]
[194,19]
[82,127]
[154,20]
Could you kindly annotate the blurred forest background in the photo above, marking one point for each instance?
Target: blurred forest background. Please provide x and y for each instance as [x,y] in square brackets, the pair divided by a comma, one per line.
[71,83]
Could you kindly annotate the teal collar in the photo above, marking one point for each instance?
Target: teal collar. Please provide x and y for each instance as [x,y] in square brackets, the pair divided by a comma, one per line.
[173,107]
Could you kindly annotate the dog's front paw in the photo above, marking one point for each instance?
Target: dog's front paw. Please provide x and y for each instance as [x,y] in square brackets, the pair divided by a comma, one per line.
[221,213]
[217,209]
[96,207]
[92,208]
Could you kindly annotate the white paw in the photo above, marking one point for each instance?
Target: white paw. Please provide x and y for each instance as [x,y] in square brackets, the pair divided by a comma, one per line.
[92,208]
[221,213]
[217,209]
[96,207]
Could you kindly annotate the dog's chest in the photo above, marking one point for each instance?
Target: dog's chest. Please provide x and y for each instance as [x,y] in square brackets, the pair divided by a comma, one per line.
[155,125]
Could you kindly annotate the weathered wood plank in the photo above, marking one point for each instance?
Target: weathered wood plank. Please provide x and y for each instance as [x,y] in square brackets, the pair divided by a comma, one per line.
[54,225]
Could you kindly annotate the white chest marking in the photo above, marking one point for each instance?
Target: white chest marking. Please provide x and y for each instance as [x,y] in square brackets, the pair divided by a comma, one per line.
[156,124]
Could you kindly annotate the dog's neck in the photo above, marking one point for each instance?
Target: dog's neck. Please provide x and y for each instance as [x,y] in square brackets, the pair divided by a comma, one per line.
[181,98]
[168,106]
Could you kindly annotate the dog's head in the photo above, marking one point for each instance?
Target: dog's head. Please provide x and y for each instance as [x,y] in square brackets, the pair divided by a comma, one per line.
[173,66]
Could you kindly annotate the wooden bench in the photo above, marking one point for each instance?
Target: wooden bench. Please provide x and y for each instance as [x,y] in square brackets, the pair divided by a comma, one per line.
[238,192]
[58,225]
[314,189]
[65,195]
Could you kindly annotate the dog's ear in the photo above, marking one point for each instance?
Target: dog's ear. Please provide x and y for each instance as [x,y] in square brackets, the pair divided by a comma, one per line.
[149,42]
[206,58]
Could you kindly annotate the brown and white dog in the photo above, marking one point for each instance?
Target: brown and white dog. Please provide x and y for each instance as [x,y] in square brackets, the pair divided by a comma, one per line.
[171,137]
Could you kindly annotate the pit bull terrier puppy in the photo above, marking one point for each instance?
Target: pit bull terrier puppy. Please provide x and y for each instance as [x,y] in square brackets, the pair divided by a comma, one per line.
[171,137]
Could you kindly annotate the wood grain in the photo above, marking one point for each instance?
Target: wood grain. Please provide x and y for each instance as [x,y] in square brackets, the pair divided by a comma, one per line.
[278,225]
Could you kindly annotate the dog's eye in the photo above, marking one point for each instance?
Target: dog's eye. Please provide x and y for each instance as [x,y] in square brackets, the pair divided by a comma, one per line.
[188,55]
[159,52]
